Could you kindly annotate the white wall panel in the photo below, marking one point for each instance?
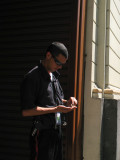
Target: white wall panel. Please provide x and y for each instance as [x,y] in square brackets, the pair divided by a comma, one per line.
[113,60]
[114,27]
[113,42]
[112,77]
[117,4]
[114,10]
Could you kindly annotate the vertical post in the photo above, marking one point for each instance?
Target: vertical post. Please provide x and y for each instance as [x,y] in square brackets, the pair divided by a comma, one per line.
[79,76]
[100,77]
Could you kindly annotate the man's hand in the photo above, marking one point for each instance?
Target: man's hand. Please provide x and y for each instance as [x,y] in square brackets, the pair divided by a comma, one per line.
[64,109]
[71,102]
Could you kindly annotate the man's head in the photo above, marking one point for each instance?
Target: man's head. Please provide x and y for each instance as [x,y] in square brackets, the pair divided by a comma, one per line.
[56,55]
[57,48]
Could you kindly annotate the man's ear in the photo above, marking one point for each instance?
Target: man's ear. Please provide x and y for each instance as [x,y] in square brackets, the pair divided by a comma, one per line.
[48,55]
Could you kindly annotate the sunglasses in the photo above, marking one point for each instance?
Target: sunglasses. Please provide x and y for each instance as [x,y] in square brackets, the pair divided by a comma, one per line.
[57,61]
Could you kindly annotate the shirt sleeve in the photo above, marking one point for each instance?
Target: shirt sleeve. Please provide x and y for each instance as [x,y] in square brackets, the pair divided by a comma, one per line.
[28,93]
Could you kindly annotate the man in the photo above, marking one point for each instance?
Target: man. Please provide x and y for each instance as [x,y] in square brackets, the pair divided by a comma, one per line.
[42,97]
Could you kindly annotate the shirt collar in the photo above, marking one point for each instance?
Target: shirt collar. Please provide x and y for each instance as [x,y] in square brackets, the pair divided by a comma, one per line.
[45,74]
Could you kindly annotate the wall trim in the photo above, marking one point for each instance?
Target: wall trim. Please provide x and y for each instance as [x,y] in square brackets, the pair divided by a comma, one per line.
[107,93]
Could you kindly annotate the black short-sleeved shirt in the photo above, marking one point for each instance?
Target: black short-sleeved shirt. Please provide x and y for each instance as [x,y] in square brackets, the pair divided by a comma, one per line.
[38,90]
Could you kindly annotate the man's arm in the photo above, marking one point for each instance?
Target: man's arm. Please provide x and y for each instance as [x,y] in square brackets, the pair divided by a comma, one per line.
[37,111]
[42,110]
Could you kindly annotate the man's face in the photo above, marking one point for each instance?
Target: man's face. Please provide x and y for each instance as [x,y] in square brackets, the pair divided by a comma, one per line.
[55,62]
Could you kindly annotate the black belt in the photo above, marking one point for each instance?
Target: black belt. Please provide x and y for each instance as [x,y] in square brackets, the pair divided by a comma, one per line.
[39,126]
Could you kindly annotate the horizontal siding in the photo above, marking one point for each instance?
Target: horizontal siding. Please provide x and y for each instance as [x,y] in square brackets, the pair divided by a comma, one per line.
[112,77]
[113,45]
[117,5]
[114,27]
[112,42]
[113,60]
[114,10]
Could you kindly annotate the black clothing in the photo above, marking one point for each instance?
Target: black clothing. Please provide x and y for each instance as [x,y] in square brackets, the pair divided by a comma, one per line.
[38,90]
[49,145]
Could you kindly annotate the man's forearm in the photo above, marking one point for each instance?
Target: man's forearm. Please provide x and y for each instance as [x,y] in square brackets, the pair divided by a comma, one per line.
[43,110]
[38,111]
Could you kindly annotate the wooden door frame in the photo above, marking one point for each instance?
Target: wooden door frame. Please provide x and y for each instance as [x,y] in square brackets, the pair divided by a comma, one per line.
[77,85]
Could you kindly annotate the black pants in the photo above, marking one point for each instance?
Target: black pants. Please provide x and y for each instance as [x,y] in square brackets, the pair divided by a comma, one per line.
[46,145]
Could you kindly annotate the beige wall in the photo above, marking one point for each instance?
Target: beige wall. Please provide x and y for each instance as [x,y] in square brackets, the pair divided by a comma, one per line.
[113,45]
[102,71]
[92,107]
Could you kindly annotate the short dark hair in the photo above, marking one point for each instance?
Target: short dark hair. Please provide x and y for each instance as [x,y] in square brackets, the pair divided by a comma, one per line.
[57,48]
